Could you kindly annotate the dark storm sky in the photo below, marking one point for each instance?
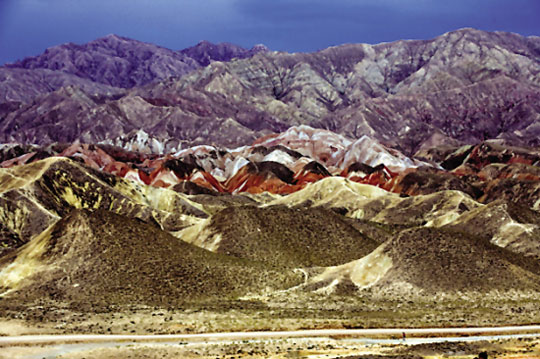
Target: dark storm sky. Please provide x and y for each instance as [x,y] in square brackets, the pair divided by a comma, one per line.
[28,27]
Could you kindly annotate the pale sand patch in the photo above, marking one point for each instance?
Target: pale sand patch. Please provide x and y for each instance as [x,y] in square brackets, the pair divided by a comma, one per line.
[510,231]
[333,191]
[15,327]
[363,272]
[27,262]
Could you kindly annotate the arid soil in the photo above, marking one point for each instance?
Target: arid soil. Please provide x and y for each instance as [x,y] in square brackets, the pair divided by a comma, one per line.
[345,348]
[270,314]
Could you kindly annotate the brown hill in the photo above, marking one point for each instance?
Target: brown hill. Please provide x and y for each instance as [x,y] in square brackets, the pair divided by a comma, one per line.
[438,260]
[509,225]
[282,236]
[103,258]
[429,260]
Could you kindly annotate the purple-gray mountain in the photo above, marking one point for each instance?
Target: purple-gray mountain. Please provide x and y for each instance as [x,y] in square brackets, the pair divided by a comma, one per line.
[121,62]
[462,87]
[206,52]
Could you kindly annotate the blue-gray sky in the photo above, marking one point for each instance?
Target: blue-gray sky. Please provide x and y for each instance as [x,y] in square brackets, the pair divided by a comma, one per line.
[28,27]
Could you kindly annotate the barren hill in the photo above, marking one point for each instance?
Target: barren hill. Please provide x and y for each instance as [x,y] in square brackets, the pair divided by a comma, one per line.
[429,261]
[282,236]
[104,258]
[509,225]
[35,196]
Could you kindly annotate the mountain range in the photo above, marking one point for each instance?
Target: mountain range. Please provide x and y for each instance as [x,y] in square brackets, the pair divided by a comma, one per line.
[463,87]
[64,222]
[133,175]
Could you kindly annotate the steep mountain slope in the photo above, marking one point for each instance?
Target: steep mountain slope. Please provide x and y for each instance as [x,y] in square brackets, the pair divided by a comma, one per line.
[113,60]
[206,52]
[496,108]
[103,258]
[368,90]
[107,66]
[69,115]
[462,87]
[19,86]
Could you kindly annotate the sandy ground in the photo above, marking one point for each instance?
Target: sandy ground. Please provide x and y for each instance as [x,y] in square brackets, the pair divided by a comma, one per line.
[276,314]
[251,315]
[309,348]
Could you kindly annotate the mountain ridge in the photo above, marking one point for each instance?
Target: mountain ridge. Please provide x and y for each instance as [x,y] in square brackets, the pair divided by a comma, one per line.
[148,62]
[463,87]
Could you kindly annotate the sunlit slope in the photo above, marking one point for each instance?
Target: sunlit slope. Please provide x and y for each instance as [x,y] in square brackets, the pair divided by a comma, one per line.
[427,261]
[374,204]
[35,195]
[506,224]
[334,192]
[103,258]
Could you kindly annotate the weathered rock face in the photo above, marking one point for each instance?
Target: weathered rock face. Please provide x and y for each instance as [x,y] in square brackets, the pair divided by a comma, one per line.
[113,60]
[460,88]
[206,52]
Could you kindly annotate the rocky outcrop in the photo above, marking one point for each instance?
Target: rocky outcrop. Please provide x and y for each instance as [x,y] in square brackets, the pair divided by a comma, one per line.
[206,52]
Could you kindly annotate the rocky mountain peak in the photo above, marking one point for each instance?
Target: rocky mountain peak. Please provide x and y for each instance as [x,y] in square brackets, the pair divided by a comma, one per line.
[112,60]
[260,47]
[206,52]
